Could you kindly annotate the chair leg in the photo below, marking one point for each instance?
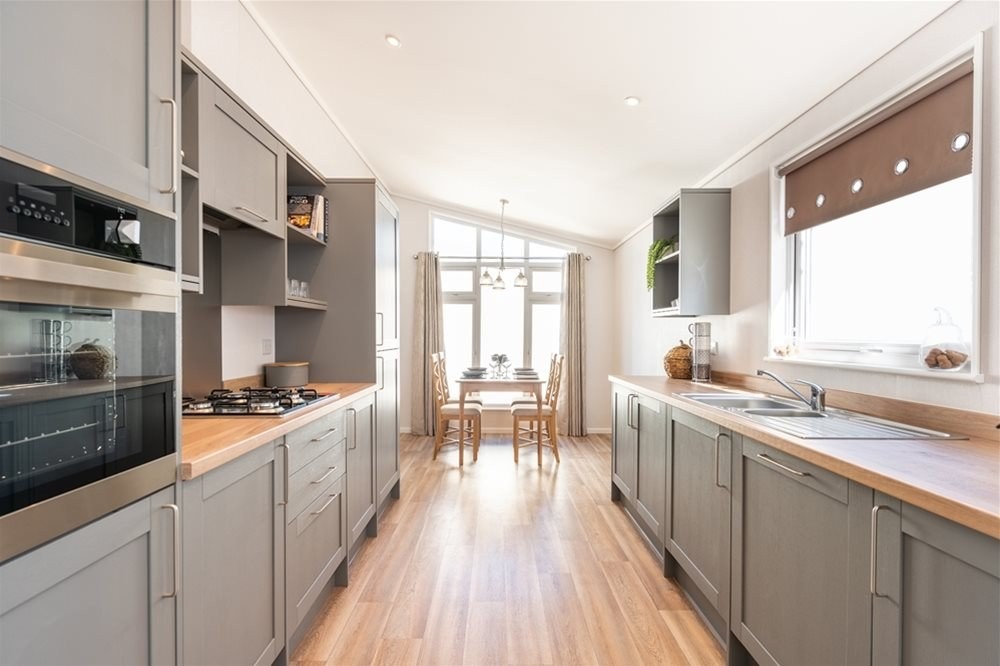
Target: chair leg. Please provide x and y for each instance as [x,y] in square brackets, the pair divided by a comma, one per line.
[438,437]
[554,436]
[517,426]
[538,440]
[477,432]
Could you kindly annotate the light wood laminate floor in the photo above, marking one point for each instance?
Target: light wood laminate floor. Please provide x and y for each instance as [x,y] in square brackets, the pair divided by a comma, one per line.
[504,564]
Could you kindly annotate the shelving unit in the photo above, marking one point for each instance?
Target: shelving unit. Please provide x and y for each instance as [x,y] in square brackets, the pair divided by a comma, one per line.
[304,252]
[192,248]
[694,279]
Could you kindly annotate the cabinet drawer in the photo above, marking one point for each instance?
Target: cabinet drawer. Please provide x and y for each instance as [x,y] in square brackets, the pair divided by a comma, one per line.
[306,484]
[309,441]
[817,478]
[315,543]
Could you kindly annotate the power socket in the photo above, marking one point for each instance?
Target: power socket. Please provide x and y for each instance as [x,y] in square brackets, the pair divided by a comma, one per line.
[267,347]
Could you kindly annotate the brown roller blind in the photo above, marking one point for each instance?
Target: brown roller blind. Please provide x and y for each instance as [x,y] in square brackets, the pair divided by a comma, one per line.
[921,133]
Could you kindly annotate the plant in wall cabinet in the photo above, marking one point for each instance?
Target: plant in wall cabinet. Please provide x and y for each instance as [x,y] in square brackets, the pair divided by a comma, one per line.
[656,250]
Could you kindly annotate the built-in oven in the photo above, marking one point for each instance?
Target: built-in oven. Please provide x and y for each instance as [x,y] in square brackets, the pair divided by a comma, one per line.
[88,356]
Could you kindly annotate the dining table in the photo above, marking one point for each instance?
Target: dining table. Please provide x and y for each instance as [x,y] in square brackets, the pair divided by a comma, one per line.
[506,385]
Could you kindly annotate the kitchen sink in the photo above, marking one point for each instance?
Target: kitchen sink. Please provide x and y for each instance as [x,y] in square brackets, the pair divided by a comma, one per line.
[806,423]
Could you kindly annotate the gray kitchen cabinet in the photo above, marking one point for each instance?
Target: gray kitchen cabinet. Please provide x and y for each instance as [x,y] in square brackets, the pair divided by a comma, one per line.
[234,561]
[693,279]
[935,589]
[103,594]
[242,165]
[800,561]
[387,424]
[639,452]
[361,491]
[623,444]
[386,275]
[699,506]
[89,87]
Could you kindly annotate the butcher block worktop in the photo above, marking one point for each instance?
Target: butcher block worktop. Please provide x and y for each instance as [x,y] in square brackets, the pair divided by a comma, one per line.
[208,442]
[957,479]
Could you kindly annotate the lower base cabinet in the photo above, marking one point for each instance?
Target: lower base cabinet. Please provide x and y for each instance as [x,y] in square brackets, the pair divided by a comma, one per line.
[800,558]
[234,568]
[100,595]
[361,489]
[936,589]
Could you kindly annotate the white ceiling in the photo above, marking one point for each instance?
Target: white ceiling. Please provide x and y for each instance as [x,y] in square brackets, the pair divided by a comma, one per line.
[524,100]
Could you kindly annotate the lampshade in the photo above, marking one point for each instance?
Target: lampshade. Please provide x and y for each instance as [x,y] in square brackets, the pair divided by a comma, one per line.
[498,283]
[485,280]
[521,280]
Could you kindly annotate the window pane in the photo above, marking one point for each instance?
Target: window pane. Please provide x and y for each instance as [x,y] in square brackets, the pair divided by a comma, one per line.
[512,247]
[544,335]
[549,251]
[878,274]
[503,321]
[452,281]
[457,340]
[546,282]
[452,239]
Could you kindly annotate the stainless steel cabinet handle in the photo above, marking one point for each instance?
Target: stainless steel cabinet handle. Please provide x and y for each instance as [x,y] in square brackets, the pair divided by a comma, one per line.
[328,503]
[381,328]
[768,459]
[354,434]
[324,436]
[874,557]
[176,512]
[381,373]
[253,212]
[717,439]
[284,494]
[174,148]
[324,477]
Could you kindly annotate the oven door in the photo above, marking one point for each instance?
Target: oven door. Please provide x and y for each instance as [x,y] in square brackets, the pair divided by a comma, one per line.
[88,418]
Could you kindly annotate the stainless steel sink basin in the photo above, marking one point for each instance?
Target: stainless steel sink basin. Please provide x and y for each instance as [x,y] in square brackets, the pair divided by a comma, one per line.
[805,423]
[737,401]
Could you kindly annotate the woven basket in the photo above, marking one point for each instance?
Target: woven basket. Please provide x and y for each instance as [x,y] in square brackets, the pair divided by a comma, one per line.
[677,362]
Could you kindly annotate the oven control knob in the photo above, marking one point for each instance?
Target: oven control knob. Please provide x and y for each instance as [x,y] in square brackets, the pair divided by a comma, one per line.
[66,222]
[38,215]
[47,218]
[57,219]
[26,212]
[14,209]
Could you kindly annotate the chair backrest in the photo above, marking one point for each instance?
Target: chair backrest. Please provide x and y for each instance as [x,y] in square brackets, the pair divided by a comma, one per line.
[555,380]
[438,381]
[444,376]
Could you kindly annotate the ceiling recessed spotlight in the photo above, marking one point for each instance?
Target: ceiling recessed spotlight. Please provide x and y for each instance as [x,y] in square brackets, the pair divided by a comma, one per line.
[393,41]
[631,101]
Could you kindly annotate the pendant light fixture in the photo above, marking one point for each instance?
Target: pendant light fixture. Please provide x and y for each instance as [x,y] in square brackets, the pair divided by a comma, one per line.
[487,280]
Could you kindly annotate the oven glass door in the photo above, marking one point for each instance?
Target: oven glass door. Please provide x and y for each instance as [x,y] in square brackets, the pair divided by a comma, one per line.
[85,393]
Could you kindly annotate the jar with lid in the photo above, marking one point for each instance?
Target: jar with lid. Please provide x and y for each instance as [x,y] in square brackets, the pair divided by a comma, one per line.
[944,348]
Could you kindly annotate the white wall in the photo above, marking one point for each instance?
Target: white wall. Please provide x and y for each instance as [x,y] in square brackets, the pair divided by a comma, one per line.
[743,334]
[414,236]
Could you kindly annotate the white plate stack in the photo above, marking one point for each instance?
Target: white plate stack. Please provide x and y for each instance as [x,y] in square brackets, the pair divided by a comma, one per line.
[474,373]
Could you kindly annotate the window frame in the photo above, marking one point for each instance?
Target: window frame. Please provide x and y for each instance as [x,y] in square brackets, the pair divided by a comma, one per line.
[786,306]
[477,265]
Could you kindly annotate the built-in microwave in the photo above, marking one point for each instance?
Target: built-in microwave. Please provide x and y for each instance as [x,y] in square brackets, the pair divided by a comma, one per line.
[88,362]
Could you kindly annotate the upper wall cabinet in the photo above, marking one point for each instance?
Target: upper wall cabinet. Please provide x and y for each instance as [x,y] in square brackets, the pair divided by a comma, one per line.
[691,277]
[88,87]
[242,164]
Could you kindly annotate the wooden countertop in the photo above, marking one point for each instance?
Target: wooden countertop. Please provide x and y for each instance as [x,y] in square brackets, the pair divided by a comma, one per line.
[208,442]
[957,479]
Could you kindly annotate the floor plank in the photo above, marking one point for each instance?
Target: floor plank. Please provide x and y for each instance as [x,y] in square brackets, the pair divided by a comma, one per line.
[497,563]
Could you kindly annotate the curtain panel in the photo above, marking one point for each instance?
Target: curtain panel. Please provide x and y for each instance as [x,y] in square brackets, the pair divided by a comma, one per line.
[428,338]
[572,397]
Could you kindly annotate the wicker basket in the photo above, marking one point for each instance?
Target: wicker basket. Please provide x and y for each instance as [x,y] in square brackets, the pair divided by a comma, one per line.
[677,362]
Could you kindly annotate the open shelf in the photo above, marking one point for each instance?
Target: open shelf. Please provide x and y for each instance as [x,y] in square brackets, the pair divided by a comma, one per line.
[305,303]
[297,235]
[188,172]
[671,258]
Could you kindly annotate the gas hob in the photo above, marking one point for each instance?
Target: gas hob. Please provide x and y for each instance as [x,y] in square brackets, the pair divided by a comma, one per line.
[253,402]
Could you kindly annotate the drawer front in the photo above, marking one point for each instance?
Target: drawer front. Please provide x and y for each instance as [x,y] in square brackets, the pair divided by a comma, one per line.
[306,485]
[817,478]
[313,439]
[316,544]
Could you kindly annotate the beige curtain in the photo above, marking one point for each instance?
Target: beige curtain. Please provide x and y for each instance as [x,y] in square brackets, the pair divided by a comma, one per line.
[428,338]
[572,414]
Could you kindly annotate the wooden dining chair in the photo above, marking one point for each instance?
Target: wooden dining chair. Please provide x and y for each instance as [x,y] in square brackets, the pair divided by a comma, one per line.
[530,399]
[525,417]
[447,412]
[472,397]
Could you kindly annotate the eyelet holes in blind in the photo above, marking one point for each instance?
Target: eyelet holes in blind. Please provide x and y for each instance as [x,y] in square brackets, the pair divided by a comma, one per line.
[856,185]
[902,164]
[960,142]
[790,213]
[820,200]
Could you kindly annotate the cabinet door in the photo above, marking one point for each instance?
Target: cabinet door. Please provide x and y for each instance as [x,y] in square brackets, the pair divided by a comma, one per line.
[699,504]
[651,456]
[99,595]
[360,466]
[234,569]
[800,541]
[386,280]
[84,85]
[242,165]
[936,596]
[387,424]
[623,447]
